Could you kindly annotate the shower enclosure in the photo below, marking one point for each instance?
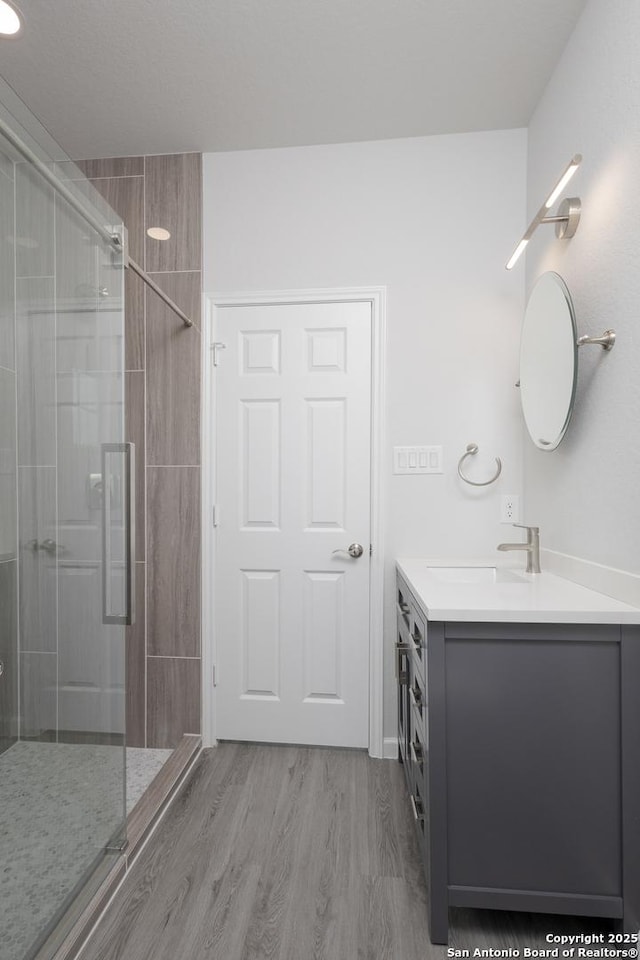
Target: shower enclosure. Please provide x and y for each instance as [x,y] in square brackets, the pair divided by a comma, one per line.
[65,475]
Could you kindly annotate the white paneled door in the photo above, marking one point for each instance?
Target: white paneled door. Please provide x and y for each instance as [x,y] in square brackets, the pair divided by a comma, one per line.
[293,398]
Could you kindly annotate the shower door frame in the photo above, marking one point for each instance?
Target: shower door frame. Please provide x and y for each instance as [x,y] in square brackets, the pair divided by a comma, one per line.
[77,394]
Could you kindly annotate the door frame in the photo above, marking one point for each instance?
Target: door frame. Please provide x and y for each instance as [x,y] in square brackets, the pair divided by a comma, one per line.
[376,296]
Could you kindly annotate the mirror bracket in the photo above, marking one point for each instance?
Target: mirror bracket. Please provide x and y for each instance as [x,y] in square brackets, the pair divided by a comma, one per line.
[606,341]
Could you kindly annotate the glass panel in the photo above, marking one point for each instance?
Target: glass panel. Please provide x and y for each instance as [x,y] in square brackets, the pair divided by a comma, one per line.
[8,516]
[62,756]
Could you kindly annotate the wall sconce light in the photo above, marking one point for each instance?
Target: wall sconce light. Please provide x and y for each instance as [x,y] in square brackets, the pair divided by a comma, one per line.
[566,219]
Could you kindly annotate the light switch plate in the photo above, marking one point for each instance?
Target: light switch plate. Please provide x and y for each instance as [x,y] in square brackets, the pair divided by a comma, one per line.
[413,460]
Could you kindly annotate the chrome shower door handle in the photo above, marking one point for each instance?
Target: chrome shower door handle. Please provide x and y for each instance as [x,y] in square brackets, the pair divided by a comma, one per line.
[130,522]
[354,550]
[127,615]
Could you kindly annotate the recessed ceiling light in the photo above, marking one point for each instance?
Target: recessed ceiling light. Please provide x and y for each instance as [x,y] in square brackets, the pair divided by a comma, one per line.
[158,233]
[10,19]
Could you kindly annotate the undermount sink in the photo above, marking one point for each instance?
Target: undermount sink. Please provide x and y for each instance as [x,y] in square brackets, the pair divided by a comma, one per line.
[478,575]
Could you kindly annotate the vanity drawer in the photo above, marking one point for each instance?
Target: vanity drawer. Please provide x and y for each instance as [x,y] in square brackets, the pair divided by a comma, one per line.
[404,630]
[419,809]
[412,624]
[418,704]
[419,642]
[403,669]
[418,755]
[402,654]
[403,603]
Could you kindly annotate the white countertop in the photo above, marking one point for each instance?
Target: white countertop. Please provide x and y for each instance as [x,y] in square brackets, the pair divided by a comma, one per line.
[516,596]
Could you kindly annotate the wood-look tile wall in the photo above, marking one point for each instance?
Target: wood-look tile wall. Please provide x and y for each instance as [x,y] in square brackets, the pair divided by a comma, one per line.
[162,402]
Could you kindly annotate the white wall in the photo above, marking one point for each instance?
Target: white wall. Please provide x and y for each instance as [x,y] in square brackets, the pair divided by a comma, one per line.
[433,219]
[585,494]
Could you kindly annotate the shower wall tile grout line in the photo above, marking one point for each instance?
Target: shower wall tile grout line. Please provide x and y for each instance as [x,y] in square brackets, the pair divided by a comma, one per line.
[36,276]
[170,656]
[117,176]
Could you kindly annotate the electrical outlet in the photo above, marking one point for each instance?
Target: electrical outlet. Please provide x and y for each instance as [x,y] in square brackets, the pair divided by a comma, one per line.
[509,508]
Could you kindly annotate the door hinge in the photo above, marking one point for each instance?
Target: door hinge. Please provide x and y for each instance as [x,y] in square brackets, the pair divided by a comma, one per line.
[213,675]
[370,549]
[215,350]
[215,515]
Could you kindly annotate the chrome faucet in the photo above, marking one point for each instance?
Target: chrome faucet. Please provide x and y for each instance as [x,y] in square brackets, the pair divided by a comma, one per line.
[532,547]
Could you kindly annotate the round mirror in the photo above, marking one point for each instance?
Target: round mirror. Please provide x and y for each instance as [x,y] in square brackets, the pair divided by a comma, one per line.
[548,361]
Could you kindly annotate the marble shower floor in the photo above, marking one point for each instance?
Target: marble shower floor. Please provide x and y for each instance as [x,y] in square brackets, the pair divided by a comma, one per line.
[59,804]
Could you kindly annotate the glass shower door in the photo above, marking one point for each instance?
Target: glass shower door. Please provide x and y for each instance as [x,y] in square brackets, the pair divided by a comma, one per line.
[92,495]
[64,527]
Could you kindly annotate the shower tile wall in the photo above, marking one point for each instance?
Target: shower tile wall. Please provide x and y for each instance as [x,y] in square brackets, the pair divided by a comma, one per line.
[163,419]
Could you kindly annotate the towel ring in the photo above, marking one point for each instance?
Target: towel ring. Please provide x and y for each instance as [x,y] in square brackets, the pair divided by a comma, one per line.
[472,449]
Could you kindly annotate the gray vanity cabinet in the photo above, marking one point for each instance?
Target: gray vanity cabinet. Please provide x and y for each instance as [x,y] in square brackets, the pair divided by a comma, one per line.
[531,771]
[413,711]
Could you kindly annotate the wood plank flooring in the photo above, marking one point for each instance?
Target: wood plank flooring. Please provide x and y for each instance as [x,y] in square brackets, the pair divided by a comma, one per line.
[289,853]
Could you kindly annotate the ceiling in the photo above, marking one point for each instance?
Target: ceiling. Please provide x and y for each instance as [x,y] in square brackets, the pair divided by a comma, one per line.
[118,77]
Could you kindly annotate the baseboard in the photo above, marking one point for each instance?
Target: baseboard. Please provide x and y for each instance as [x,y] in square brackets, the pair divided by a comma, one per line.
[619,584]
[390,748]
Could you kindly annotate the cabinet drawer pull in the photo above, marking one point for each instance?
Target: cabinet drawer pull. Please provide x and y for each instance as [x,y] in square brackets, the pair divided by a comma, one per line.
[417,753]
[418,812]
[416,698]
[401,674]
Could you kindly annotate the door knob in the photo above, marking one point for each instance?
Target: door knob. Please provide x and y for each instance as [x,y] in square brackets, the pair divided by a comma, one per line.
[354,550]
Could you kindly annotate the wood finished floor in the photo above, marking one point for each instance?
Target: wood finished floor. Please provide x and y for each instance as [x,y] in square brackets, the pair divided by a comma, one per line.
[289,853]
